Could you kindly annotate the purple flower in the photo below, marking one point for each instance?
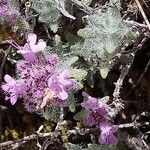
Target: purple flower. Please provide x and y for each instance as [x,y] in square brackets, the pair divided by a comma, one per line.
[91,102]
[96,112]
[52,58]
[30,49]
[3,9]
[65,79]
[59,83]
[12,15]
[13,88]
[30,106]
[8,13]
[107,133]
[45,84]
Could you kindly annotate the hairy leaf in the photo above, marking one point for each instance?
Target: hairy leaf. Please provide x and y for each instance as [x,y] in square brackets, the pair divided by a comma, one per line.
[49,11]
[103,36]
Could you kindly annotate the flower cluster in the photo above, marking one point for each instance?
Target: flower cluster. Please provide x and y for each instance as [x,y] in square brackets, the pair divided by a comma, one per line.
[97,114]
[39,81]
[8,12]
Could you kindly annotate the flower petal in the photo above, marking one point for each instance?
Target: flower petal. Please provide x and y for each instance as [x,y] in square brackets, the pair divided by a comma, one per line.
[39,47]
[5,87]
[63,95]
[25,49]
[30,57]
[13,99]
[108,138]
[32,38]
[8,78]
[114,128]
[90,120]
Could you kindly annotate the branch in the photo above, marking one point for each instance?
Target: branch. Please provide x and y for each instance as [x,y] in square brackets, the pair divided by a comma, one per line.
[134,23]
[143,13]
[55,134]
[60,7]
[52,135]
[119,82]
[82,6]
[139,80]
[3,62]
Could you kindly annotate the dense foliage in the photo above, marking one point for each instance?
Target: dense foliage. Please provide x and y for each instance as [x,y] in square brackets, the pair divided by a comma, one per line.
[64,53]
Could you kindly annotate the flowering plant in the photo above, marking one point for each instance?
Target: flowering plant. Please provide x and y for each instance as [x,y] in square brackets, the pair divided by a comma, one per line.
[65,66]
[39,80]
[97,114]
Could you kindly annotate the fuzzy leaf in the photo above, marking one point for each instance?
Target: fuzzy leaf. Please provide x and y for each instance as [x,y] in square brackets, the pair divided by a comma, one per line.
[22,24]
[72,103]
[80,115]
[87,2]
[103,35]
[49,11]
[79,75]
[70,146]
[101,147]
[57,44]
[14,4]
[51,113]
[104,72]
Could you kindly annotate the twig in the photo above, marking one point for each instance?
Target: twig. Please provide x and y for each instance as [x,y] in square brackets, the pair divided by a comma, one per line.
[27,10]
[143,13]
[142,138]
[117,101]
[60,7]
[132,125]
[119,82]
[134,23]
[82,6]
[139,80]
[61,118]
[3,62]
[53,135]
[47,32]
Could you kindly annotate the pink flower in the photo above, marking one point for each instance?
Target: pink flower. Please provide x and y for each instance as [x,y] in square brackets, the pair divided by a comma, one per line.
[59,83]
[13,88]
[12,15]
[95,110]
[3,9]
[66,80]
[8,13]
[107,133]
[30,49]
[52,58]
[97,114]
[91,102]
[45,84]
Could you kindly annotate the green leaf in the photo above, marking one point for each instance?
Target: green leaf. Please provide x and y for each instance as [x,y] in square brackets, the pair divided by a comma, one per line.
[79,75]
[103,36]
[72,103]
[104,72]
[57,44]
[101,147]
[80,116]
[49,12]
[87,2]
[70,146]
[14,4]
[51,113]
[22,25]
